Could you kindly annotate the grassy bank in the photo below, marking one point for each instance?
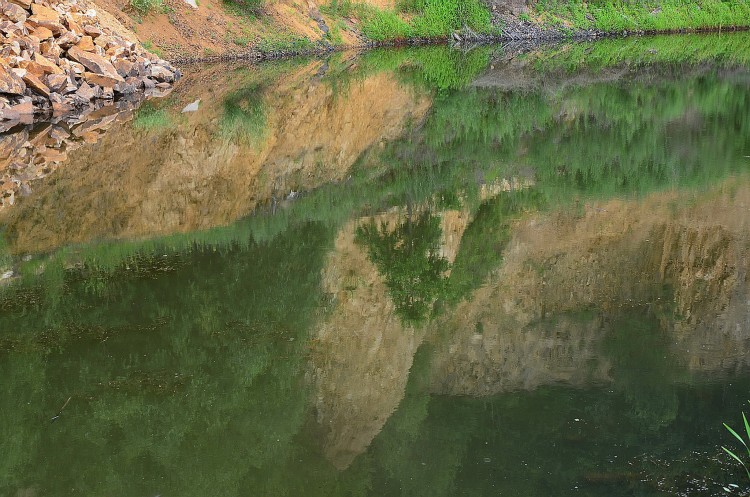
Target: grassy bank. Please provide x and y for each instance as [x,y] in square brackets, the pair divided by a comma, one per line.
[434,19]
[615,16]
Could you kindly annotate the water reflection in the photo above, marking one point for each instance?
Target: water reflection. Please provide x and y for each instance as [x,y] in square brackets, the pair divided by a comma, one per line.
[465,274]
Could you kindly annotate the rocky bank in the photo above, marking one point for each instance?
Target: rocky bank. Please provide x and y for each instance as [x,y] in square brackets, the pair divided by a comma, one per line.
[62,57]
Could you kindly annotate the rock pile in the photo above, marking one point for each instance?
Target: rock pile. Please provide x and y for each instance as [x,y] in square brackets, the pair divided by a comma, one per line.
[57,57]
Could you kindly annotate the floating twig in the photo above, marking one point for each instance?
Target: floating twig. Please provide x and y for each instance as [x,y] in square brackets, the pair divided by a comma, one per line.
[54,418]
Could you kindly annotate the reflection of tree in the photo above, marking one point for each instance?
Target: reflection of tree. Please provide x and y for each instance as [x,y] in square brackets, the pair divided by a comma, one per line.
[408,259]
[485,239]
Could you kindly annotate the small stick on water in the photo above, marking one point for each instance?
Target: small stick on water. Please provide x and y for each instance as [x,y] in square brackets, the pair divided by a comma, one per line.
[61,410]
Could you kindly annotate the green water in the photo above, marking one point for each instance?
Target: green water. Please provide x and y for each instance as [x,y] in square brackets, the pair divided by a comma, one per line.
[525,275]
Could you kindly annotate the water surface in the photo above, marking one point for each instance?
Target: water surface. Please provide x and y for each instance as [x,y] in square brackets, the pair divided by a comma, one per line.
[397,273]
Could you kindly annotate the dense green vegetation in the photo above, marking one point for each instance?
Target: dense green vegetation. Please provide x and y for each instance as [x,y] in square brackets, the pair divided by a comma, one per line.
[662,15]
[426,18]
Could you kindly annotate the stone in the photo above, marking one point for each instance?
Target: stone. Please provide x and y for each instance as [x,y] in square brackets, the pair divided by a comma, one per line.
[48,66]
[19,112]
[125,68]
[10,82]
[61,108]
[36,84]
[161,74]
[14,12]
[73,26]
[92,31]
[41,33]
[86,92]
[102,80]
[50,49]
[94,63]
[26,4]
[191,107]
[68,39]
[57,82]
[43,13]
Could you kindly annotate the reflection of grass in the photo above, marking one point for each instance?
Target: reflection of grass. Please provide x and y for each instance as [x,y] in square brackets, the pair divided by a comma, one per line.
[728,48]
[150,117]
[245,115]
[5,258]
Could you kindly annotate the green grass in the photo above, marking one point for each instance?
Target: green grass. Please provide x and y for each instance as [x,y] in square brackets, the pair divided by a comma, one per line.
[742,441]
[150,117]
[145,6]
[429,18]
[244,7]
[149,45]
[284,43]
[664,15]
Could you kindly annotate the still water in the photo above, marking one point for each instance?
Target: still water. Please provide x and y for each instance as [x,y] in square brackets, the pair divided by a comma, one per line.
[422,272]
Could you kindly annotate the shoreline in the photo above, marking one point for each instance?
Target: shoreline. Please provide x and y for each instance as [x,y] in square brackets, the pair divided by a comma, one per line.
[534,37]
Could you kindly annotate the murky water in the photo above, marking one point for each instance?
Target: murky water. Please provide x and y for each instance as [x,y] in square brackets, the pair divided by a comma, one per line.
[399,273]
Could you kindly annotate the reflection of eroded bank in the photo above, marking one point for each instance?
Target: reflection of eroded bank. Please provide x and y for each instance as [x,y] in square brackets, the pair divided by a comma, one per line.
[566,276]
[574,292]
[252,139]
[363,350]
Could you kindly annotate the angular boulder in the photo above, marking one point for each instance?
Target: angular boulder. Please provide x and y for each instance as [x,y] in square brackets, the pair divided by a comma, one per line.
[10,82]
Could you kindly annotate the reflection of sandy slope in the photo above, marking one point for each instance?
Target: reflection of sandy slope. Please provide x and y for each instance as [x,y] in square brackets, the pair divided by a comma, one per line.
[362,353]
[190,175]
[528,325]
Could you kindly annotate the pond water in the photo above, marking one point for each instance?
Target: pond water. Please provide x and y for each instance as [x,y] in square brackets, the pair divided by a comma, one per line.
[417,272]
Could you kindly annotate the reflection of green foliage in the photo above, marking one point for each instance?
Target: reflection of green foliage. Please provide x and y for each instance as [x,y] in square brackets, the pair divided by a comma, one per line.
[429,67]
[159,378]
[245,116]
[484,240]
[5,258]
[150,117]
[638,51]
[409,261]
